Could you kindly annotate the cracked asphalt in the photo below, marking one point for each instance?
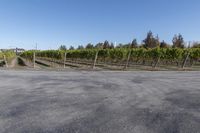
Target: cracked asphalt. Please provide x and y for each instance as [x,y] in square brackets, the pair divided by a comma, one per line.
[99,102]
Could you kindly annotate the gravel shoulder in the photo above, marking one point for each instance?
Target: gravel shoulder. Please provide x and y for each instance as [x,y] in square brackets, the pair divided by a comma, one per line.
[99,102]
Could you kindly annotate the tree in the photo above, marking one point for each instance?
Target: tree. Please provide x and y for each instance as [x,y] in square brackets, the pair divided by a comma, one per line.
[112,45]
[120,45]
[128,45]
[150,41]
[62,47]
[196,45]
[106,45]
[99,45]
[163,44]
[80,47]
[89,46]
[71,48]
[178,41]
[134,43]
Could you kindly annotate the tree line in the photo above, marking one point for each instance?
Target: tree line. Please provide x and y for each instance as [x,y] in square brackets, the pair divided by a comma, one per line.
[150,41]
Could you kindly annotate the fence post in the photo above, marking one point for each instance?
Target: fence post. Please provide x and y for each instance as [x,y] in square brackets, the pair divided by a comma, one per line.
[127,62]
[185,60]
[95,60]
[5,60]
[65,59]
[34,60]
[158,60]
[53,63]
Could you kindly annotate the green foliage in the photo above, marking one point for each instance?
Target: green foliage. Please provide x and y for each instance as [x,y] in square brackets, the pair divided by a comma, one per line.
[118,53]
[174,53]
[28,54]
[8,54]
[195,53]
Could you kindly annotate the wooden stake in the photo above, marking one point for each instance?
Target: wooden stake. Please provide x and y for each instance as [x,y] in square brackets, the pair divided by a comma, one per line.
[127,62]
[5,61]
[184,62]
[65,59]
[95,60]
[34,60]
[158,60]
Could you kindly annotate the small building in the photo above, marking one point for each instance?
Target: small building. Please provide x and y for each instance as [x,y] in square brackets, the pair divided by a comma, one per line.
[16,50]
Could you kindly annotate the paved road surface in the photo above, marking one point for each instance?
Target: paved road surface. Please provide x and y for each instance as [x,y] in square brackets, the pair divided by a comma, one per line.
[99,102]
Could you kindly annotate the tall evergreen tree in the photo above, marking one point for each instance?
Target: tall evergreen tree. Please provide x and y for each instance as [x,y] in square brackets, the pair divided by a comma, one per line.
[62,47]
[99,45]
[134,43]
[106,45]
[80,47]
[71,48]
[89,46]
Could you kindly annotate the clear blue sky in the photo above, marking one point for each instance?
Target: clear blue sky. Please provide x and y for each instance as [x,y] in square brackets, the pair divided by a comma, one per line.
[50,23]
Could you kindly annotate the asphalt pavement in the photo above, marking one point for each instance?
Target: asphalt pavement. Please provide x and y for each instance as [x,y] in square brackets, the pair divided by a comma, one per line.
[99,102]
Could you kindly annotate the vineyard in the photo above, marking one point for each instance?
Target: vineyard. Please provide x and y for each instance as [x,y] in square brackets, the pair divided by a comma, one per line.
[121,57]
[6,56]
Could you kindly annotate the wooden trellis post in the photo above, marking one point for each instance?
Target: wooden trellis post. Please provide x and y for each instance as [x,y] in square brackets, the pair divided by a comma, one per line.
[34,60]
[95,60]
[128,58]
[5,60]
[65,59]
[158,60]
[188,54]
[185,60]
[127,62]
